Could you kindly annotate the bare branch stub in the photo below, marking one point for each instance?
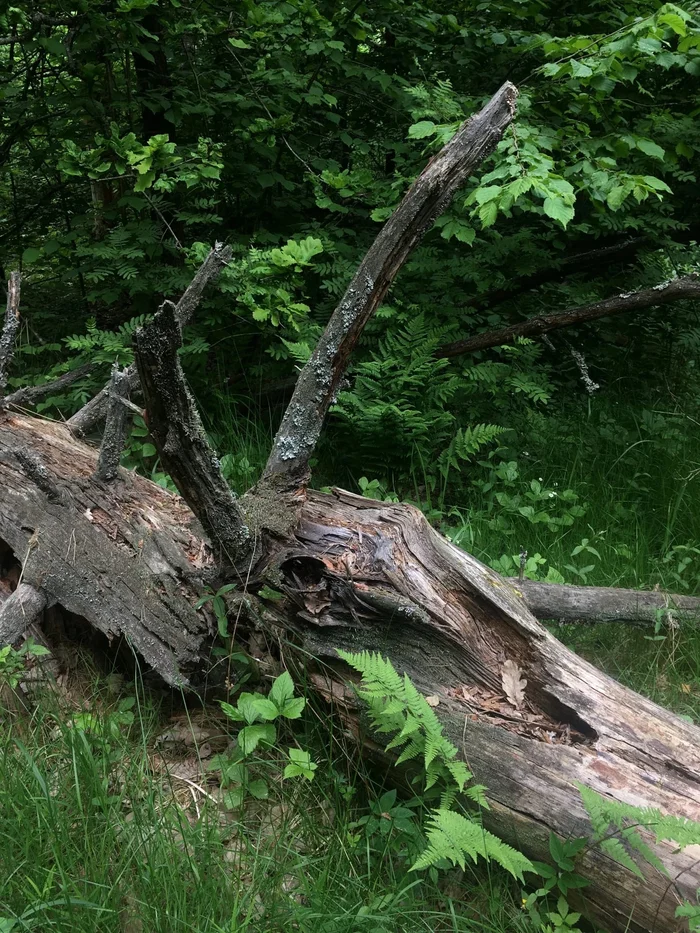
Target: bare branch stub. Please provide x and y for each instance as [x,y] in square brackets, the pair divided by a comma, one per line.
[687,286]
[177,431]
[10,327]
[431,193]
[112,444]
[95,411]
[18,612]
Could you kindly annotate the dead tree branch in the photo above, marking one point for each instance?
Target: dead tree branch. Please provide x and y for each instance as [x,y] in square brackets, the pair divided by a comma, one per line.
[593,604]
[688,286]
[30,395]
[177,430]
[617,252]
[425,200]
[8,335]
[115,427]
[95,411]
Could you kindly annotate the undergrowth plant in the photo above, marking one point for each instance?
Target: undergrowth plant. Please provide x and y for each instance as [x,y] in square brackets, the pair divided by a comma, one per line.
[241,769]
[396,706]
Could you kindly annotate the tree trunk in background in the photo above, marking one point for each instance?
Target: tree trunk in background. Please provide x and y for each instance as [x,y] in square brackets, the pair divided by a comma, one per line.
[131,560]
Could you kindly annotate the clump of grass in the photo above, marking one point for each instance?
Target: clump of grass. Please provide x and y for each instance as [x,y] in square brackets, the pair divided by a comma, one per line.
[99,833]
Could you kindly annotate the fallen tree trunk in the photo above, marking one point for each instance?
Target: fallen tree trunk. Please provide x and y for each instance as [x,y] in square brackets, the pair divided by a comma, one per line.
[564,603]
[132,560]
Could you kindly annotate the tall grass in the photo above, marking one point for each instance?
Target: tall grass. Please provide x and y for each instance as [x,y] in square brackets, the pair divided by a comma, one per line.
[94,837]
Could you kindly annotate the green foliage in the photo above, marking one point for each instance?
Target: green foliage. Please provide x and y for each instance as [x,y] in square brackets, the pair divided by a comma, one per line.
[451,837]
[13,662]
[395,706]
[242,771]
[617,825]
[611,821]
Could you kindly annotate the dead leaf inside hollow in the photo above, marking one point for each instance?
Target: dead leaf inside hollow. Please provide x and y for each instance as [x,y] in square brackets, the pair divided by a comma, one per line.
[513,684]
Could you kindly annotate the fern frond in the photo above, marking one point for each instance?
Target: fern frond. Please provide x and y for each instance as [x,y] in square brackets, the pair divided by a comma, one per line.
[453,837]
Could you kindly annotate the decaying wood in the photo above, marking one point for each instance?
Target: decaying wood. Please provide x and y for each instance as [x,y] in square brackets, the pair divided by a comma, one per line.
[114,434]
[564,603]
[531,719]
[95,411]
[619,250]
[687,286]
[18,612]
[127,557]
[177,430]
[359,574]
[9,330]
[426,199]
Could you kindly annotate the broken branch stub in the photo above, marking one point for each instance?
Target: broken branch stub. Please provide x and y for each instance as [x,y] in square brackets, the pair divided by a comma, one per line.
[565,603]
[177,431]
[115,427]
[18,612]
[423,203]
[10,328]
[95,411]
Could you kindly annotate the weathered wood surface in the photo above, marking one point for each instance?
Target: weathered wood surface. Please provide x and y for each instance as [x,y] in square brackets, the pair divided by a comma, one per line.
[426,199]
[127,556]
[592,604]
[18,611]
[358,574]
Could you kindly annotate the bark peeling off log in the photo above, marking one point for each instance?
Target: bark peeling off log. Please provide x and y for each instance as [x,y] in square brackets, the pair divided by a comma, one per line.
[365,575]
[454,623]
[128,558]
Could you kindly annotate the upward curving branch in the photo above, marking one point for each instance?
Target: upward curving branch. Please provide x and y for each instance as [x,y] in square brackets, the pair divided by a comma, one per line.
[95,411]
[426,199]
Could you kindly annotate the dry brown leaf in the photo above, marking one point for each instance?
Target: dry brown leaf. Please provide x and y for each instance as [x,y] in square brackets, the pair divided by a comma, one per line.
[513,683]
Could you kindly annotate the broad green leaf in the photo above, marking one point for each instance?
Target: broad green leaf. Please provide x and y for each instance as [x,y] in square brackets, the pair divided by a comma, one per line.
[251,736]
[31,254]
[282,690]
[651,149]
[258,789]
[558,209]
[422,130]
[616,196]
